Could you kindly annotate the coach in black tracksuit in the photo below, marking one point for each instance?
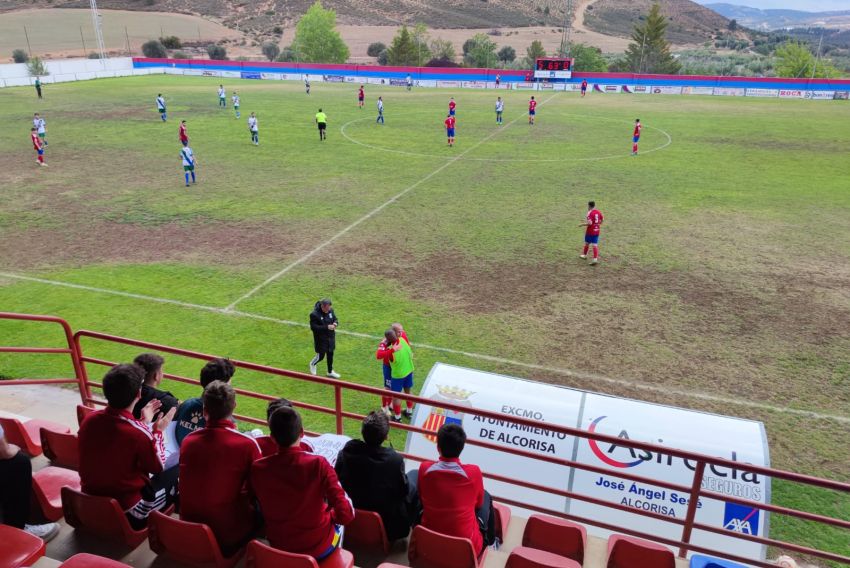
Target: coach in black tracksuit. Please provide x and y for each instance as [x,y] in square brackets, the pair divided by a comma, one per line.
[323,322]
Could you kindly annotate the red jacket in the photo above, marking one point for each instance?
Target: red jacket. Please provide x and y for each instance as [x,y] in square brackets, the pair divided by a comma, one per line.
[220,457]
[450,493]
[301,500]
[117,456]
[385,352]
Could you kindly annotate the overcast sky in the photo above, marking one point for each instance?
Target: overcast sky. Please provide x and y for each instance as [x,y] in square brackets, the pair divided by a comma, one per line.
[806,5]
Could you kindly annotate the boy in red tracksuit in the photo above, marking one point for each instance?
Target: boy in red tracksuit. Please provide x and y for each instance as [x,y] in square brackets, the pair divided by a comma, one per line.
[218,456]
[385,354]
[121,457]
[302,501]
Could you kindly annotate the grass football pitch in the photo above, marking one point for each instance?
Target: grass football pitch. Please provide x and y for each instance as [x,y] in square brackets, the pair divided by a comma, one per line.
[724,281]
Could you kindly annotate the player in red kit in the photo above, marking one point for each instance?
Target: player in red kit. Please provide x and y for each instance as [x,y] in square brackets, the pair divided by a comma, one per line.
[636,136]
[583,87]
[360,97]
[532,110]
[38,145]
[592,222]
[450,129]
[452,106]
[184,135]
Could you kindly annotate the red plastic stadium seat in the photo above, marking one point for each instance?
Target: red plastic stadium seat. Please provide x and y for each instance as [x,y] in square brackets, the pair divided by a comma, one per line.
[524,557]
[630,552]
[47,484]
[82,412]
[263,556]
[27,434]
[19,548]
[84,560]
[188,543]
[430,549]
[556,536]
[366,532]
[63,450]
[101,516]
[267,445]
[503,519]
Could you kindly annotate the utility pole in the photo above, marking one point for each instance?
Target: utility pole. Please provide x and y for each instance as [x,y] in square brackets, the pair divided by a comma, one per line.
[98,34]
[26,35]
[566,37]
[642,44]
[127,37]
[817,57]
[83,39]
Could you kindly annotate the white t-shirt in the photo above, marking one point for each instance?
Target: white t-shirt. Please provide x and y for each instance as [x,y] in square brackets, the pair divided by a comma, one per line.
[500,106]
[380,105]
[235,100]
[252,123]
[188,156]
[39,124]
[221,93]
[160,102]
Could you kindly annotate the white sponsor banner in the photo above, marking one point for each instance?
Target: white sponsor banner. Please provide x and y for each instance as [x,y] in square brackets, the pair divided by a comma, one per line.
[561,87]
[642,89]
[610,88]
[271,76]
[231,74]
[350,79]
[375,81]
[525,85]
[474,85]
[792,93]
[697,90]
[425,83]
[725,437]
[666,90]
[448,84]
[755,92]
[820,95]
[291,77]
[729,92]
[194,72]
[210,73]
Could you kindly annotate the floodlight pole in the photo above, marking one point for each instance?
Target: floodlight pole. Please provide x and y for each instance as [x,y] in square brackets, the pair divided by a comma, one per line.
[566,37]
[98,34]
[817,57]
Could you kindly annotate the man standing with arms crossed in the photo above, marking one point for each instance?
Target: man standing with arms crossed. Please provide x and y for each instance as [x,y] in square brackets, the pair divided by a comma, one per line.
[323,322]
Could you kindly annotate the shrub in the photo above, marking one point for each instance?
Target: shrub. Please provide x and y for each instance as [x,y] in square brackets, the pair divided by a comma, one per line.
[181,55]
[20,56]
[94,55]
[375,49]
[442,62]
[383,57]
[36,67]
[171,42]
[154,49]
[216,52]
[277,30]
[287,54]
[271,50]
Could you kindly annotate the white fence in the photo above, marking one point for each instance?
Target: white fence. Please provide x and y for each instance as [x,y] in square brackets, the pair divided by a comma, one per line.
[65,70]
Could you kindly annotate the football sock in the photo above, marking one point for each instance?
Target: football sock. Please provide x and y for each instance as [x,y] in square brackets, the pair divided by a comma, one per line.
[595,251]
[586,247]
[409,404]
[187,178]
[41,159]
[385,401]
[193,177]
[396,409]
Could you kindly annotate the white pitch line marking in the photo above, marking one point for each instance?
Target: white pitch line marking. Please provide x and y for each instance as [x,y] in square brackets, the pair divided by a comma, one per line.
[366,217]
[477,356]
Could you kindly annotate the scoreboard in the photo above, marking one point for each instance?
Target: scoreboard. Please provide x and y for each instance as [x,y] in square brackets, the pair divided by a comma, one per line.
[553,68]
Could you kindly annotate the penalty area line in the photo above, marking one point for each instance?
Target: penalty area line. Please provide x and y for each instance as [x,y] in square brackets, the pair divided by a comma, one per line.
[475,356]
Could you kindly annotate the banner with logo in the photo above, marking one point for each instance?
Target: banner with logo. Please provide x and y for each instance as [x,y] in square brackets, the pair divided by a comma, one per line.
[791,93]
[333,78]
[231,74]
[729,92]
[666,90]
[251,75]
[841,96]
[762,92]
[272,76]
[697,90]
[210,73]
[525,85]
[448,84]
[820,95]
[730,438]
[474,84]
[195,72]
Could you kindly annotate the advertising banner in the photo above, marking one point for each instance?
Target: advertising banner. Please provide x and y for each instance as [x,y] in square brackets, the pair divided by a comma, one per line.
[448,84]
[251,75]
[666,90]
[425,83]
[350,79]
[231,74]
[524,85]
[375,81]
[271,76]
[474,85]
[762,92]
[697,90]
[194,72]
[820,95]
[211,73]
[841,96]
[398,82]
[792,93]
[333,79]
[642,90]
[729,438]
[729,92]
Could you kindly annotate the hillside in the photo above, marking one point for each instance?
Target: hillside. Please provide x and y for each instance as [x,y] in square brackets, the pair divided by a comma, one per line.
[690,22]
[777,19]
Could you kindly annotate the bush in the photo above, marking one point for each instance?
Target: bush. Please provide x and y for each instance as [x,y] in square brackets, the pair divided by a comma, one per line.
[271,50]
[287,54]
[94,55]
[171,42]
[36,67]
[181,55]
[216,52]
[375,49]
[277,30]
[154,49]
[442,62]
[20,56]
[383,57]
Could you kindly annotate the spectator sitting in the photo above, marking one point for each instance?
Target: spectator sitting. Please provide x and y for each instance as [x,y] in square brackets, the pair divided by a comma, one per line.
[374,476]
[300,497]
[215,463]
[190,414]
[15,491]
[121,457]
[453,498]
[267,443]
[151,364]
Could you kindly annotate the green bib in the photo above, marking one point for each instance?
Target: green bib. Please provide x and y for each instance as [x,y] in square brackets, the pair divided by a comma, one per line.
[402,363]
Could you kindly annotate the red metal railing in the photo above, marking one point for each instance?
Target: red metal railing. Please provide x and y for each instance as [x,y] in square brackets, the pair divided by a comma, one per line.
[695,491]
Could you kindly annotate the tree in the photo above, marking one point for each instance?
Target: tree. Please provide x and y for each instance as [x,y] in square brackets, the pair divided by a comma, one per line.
[795,59]
[316,38]
[482,52]
[383,57]
[287,54]
[154,49]
[506,54]
[443,49]
[271,50]
[171,42]
[467,45]
[216,51]
[588,58]
[36,67]
[649,51]
[533,53]
[419,36]
[375,49]
[20,56]
[402,50]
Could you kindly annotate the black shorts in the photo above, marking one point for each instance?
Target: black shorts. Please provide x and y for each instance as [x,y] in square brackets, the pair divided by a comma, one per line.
[323,125]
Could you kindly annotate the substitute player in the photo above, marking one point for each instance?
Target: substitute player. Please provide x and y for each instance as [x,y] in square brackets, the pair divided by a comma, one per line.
[40,127]
[38,146]
[636,136]
[592,224]
[188,163]
[500,108]
[236,101]
[361,96]
[222,97]
[396,351]
[450,129]
[452,106]
[322,123]
[532,110]
[160,106]
[583,87]
[380,111]
[254,127]
[183,134]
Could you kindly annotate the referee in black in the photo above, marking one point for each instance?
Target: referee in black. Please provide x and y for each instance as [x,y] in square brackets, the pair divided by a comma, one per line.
[323,322]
